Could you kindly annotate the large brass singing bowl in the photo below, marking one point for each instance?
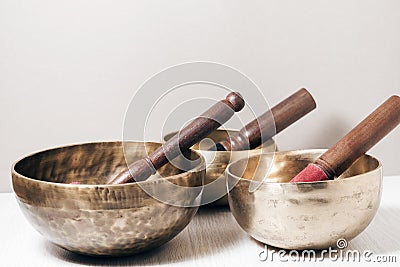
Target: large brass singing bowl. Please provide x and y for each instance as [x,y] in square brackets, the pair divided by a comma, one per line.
[302,215]
[215,191]
[97,219]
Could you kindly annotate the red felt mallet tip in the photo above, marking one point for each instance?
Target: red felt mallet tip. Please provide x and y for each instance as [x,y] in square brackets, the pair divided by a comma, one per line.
[352,146]
[312,173]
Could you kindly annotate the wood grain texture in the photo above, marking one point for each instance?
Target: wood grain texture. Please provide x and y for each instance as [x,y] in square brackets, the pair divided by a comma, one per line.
[361,138]
[213,238]
[270,123]
[199,128]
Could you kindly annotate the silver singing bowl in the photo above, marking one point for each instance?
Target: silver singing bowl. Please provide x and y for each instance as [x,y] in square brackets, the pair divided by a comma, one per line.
[217,161]
[302,215]
[94,218]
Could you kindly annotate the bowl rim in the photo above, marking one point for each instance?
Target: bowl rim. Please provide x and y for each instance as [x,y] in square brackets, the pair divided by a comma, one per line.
[16,175]
[296,152]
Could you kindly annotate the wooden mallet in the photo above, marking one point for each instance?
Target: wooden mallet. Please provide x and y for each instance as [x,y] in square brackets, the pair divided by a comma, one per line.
[352,146]
[270,123]
[203,125]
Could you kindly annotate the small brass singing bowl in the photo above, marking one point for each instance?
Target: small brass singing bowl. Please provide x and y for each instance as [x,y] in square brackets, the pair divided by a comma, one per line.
[93,218]
[215,192]
[314,215]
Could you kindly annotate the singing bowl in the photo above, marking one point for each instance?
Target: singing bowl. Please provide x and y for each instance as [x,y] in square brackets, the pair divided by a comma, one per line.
[93,218]
[313,215]
[215,191]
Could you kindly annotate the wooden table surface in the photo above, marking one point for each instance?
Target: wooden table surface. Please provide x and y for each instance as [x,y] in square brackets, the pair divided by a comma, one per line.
[213,238]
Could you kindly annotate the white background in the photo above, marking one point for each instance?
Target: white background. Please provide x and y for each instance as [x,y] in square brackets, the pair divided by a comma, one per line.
[68,69]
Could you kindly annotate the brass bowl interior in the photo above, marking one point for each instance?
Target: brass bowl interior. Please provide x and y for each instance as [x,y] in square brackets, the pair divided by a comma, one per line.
[281,167]
[91,163]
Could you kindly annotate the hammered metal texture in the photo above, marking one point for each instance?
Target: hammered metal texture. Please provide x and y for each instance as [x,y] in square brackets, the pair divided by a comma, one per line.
[97,219]
[303,215]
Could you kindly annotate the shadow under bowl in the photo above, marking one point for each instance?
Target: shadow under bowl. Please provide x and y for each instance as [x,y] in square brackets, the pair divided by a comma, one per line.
[302,215]
[93,218]
[215,191]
